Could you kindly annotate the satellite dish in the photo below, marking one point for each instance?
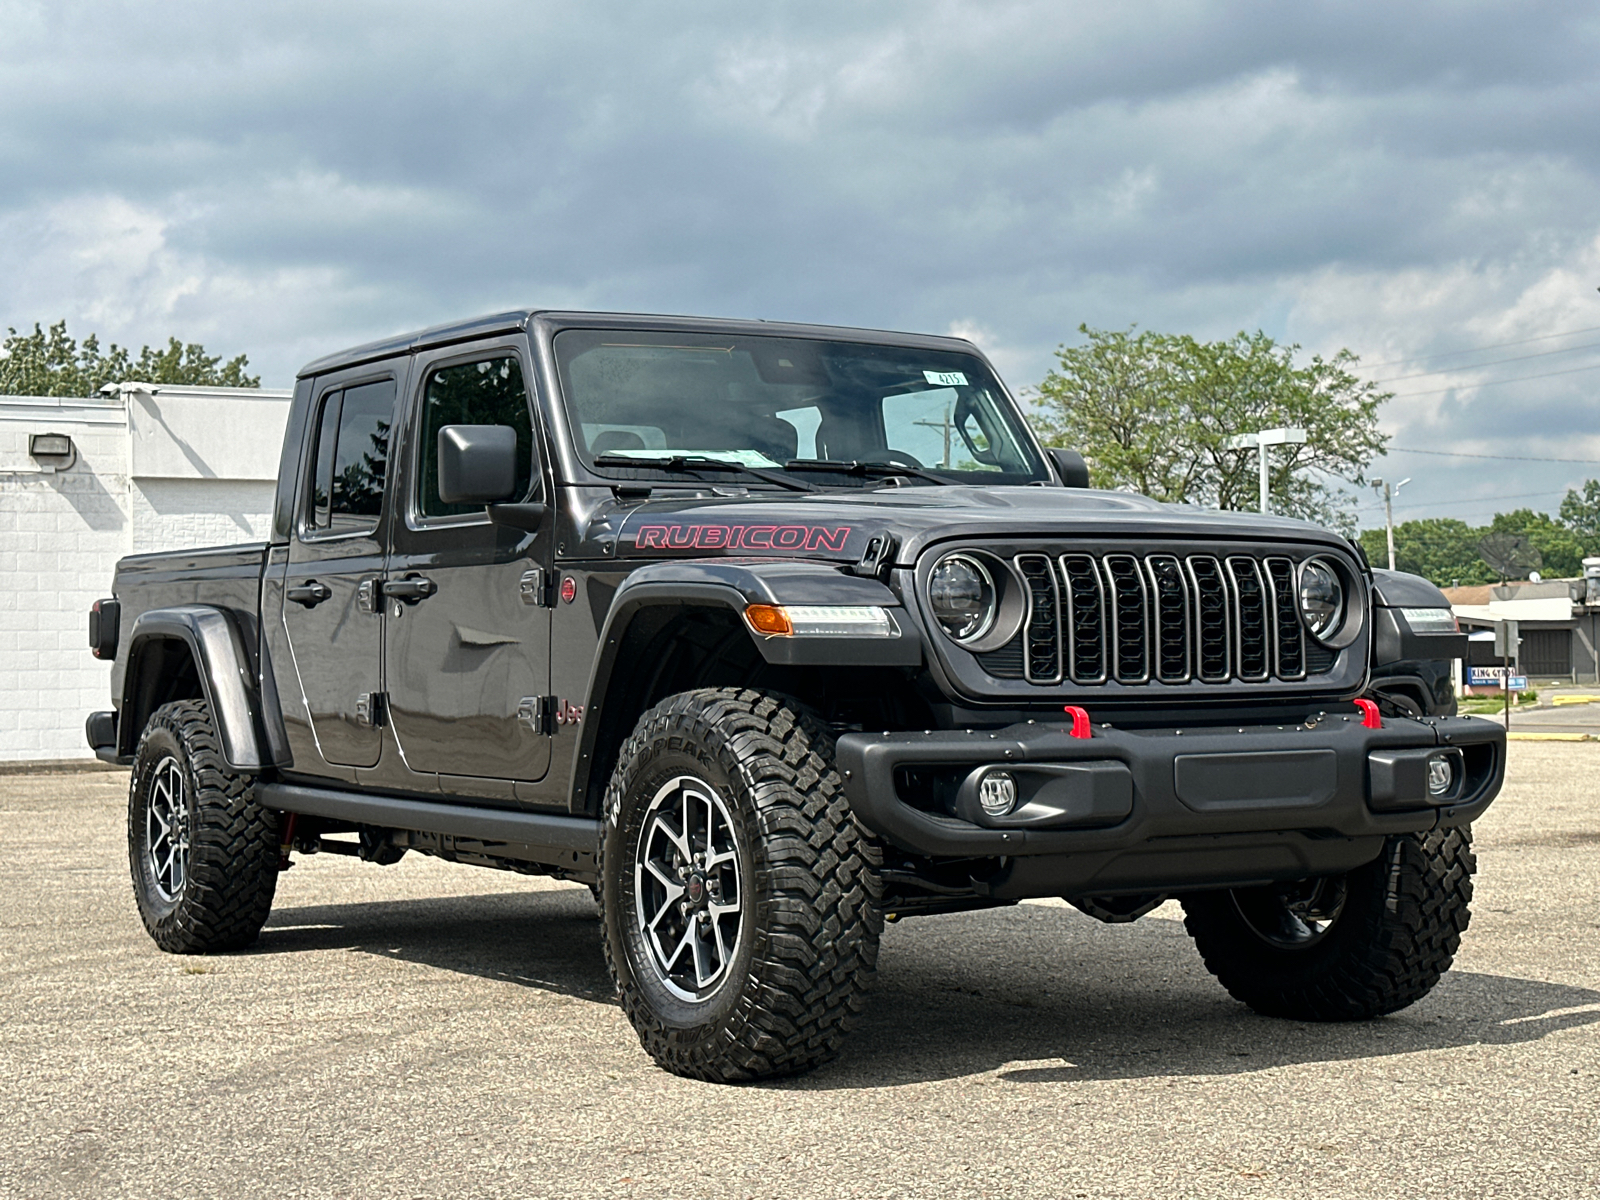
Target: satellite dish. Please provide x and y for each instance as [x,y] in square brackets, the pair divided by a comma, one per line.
[1511,555]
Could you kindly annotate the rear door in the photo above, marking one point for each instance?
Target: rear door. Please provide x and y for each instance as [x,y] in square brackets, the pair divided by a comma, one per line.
[468,659]
[332,611]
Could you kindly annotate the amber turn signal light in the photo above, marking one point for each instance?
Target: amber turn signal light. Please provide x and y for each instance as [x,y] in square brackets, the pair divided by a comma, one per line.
[768,618]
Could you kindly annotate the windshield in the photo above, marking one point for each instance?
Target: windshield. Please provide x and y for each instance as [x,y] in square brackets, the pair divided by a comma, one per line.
[767,402]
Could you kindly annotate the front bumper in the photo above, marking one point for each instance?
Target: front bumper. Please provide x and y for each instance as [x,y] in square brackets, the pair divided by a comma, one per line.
[1169,809]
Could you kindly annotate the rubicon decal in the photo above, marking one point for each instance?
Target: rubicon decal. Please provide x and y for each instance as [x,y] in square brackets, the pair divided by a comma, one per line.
[781,538]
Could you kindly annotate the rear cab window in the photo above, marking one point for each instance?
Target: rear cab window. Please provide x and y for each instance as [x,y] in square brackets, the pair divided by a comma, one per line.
[350,462]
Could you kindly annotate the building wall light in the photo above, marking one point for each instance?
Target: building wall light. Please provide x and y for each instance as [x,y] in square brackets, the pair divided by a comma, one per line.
[53,450]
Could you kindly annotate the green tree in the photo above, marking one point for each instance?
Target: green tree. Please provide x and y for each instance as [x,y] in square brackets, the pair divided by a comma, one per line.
[1442,550]
[1580,512]
[1151,412]
[51,363]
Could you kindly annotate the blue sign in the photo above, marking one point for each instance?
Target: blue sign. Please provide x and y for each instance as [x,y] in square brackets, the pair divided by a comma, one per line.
[1495,677]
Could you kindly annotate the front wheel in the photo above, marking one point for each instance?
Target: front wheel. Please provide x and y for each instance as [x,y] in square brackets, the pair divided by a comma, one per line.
[203,853]
[1343,948]
[740,902]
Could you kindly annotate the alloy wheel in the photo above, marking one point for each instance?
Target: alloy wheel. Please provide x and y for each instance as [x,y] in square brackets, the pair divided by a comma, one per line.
[167,829]
[688,887]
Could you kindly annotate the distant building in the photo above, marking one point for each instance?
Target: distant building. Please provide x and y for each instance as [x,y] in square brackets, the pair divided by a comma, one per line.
[84,482]
[1557,619]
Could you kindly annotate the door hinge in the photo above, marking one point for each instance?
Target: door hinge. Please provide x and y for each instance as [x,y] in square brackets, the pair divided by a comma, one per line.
[546,714]
[367,592]
[372,709]
[537,713]
[532,588]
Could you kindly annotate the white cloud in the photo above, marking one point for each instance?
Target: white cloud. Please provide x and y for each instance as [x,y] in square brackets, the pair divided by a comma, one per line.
[286,179]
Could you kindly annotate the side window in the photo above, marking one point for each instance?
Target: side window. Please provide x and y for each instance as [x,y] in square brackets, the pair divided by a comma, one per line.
[352,458]
[322,463]
[476,393]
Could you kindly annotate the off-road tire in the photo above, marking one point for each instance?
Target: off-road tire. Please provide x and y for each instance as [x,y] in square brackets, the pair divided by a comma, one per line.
[1400,927]
[808,943]
[231,869]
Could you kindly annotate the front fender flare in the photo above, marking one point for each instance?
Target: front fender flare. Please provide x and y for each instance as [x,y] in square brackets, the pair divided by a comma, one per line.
[223,665]
[731,586]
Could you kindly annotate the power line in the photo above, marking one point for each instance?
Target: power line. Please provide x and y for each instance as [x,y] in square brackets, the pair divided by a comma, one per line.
[1493,382]
[1400,362]
[1493,362]
[1378,508]
[1485,499]
[1497,457]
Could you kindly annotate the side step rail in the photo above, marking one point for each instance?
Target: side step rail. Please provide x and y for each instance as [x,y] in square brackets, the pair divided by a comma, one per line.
[539,837]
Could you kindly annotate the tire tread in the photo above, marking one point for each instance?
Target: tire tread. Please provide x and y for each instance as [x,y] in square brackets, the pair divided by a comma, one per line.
[1405,943]
[817,957]
[233,867]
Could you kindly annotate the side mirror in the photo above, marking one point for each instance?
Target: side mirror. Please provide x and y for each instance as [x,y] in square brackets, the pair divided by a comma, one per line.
[1070,466]
[477,464]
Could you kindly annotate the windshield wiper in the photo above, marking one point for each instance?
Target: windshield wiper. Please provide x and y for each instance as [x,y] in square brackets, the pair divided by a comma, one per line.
[690,463]
[869,470]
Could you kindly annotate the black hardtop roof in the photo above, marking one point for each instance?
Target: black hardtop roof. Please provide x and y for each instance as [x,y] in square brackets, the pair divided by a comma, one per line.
[522,319]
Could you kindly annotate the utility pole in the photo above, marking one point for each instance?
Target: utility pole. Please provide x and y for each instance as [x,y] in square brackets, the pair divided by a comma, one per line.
[1388,493]
[1259,443]
[946,425]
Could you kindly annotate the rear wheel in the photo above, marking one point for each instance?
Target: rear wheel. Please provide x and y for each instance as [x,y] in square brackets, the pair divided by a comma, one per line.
[1343,948]
[740,902]
[202,852]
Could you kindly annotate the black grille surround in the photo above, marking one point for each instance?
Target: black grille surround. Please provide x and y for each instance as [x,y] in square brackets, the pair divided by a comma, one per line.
[1161,620]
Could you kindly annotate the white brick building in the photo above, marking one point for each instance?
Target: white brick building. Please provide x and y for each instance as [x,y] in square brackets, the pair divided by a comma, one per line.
[154,468]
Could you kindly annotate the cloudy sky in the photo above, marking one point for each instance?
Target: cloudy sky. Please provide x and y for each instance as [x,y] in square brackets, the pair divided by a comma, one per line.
[1420,183]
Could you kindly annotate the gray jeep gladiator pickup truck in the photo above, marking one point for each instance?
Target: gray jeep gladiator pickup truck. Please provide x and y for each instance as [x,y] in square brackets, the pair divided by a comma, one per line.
[772,633]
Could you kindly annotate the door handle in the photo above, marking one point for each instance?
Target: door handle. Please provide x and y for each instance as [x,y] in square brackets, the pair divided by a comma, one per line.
[410,589]
[310,593]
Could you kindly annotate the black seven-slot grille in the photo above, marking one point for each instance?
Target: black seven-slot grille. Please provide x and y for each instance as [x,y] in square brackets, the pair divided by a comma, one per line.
[1159,618]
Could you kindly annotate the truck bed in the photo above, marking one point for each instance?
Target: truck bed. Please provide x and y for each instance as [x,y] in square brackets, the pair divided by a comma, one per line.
[226,577]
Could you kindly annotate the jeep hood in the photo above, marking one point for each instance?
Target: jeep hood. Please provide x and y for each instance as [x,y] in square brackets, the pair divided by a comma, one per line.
[837,525]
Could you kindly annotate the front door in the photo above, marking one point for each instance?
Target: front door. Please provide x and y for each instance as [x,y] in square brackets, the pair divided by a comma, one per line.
[331,609]
[468,637]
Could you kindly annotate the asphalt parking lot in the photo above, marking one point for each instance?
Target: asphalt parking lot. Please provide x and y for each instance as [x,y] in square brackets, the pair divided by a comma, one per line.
[435,1030]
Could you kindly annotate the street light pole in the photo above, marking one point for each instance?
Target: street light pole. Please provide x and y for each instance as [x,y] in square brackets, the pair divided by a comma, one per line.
[1378,485]
[1259,442]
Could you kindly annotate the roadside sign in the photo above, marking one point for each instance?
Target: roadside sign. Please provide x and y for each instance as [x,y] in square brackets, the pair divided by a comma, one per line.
[1495,677]
[1505,639]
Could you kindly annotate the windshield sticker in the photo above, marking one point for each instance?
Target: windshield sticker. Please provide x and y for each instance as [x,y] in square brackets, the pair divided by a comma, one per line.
[945,378]
[742,537]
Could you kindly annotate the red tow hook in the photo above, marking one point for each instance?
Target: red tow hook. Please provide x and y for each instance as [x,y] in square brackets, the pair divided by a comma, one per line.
[1369,714]
[1080,720]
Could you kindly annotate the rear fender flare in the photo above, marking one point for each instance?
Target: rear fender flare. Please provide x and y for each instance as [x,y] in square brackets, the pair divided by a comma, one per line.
[223,667]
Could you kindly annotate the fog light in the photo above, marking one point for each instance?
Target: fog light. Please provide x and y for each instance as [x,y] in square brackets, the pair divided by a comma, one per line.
[1440,775]
[997,793]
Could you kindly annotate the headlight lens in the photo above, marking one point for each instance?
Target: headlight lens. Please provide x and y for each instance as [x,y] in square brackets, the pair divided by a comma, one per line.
[962,595]
[1321,597]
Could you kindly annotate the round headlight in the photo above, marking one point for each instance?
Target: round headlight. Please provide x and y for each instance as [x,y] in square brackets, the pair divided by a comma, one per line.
[1321,597]
[962,595]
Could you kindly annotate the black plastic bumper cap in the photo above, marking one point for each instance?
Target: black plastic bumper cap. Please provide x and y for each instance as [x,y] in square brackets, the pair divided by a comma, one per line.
[1053,795]
[1398,779]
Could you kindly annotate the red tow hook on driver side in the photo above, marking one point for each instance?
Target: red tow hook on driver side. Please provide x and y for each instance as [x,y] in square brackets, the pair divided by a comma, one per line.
[1369,714]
